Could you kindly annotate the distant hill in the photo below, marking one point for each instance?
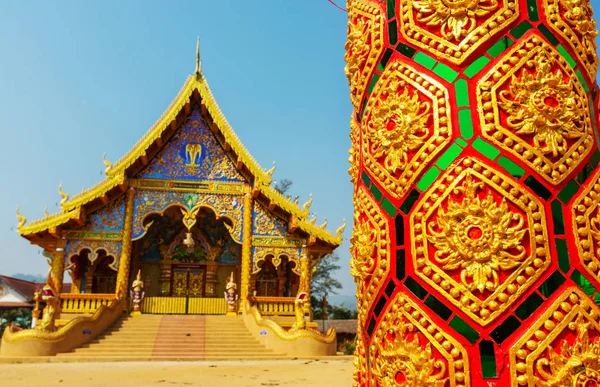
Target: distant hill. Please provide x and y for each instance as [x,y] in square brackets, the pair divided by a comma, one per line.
[347,301]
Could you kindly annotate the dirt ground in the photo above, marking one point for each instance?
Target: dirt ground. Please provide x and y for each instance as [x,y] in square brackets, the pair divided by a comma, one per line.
[205,374]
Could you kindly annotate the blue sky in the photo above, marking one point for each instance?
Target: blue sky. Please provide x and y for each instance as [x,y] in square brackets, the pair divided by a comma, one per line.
[78,79]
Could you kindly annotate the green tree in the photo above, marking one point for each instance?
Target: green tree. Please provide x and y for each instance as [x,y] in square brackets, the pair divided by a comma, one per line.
[322,283]
[283,186]
[20,317]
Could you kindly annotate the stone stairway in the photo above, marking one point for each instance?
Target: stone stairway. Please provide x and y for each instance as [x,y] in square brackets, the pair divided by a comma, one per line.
[173,338]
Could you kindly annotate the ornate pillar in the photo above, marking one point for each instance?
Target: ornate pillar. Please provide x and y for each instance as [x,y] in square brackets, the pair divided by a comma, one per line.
[58,266]
[124,261]
[246,249]
[476,241]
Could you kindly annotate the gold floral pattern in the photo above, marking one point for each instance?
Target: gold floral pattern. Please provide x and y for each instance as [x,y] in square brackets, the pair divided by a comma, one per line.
[410,350]
[475,248]
[398,126]
[363,243]
[574,21]
[544,105]
[354,150]
[406,119]
[585,215]
[561,348]
[452,30]
[363,47]
[478,236]
[456,18]
[533,105]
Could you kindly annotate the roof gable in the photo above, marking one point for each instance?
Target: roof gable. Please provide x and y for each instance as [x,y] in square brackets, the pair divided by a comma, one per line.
[193,153]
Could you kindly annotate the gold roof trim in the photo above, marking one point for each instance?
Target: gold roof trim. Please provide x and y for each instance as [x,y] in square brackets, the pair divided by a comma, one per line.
[49,222]
[322,233]
[94,192]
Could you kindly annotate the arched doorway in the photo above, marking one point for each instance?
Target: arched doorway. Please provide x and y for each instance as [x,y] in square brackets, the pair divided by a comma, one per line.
[173,268]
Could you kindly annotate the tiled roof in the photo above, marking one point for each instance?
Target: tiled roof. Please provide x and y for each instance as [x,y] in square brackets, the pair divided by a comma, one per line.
[11,305]
[26,288]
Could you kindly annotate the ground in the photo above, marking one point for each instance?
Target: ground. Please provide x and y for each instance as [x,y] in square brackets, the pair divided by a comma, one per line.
[330,373]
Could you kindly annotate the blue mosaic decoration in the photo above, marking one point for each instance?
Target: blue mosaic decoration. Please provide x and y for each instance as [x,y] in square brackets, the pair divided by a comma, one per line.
[75,247]
[193,153]
[268,224]
[157,201]
[108,218]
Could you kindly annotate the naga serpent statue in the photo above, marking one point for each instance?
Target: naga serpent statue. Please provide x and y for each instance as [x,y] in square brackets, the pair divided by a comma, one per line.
[476,240]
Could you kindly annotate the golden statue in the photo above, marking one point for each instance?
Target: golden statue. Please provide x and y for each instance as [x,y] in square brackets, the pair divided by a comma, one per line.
[137,294]
[231,296]
[49,294]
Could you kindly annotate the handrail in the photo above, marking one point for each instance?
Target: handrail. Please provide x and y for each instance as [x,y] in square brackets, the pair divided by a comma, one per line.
[274,306]
[84,303]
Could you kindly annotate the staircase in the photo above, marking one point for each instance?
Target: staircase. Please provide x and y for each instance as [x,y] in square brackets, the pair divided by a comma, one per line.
[174,338]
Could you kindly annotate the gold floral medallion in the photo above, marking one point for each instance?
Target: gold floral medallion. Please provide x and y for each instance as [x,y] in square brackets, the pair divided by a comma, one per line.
[455,18]
[561,348]
[405,125]
[452,30]
[479,237]
[585,214]
[544,105]
[363,47]
[574,21]
[363,243]
[410,350]
[532,105]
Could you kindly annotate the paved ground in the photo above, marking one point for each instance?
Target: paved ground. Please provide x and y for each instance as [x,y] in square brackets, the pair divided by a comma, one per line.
[329,373]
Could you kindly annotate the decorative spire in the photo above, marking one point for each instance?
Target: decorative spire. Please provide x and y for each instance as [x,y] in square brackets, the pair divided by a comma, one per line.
[313,219]
[107,163]
[21,218]
[324,224]
[198,70]
[272,170]
[46,211]
[62,194]
[340,230]
[307,205]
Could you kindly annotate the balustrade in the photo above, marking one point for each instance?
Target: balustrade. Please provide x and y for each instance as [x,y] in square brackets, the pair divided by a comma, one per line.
[274,306]
[84,303]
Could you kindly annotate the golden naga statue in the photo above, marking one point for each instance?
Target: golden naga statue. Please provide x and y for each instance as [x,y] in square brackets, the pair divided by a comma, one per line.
[137,294]
[231,296]
[475,164]
[302,297]
[50,295]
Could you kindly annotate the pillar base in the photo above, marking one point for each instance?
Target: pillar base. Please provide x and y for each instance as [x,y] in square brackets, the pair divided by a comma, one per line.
[136,313]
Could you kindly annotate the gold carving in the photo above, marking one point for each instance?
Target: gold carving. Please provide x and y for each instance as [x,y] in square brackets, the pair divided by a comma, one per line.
[125,258]
[455,18]
[586,224]
[362,248]
[354,150]
[561,349]
[478,236]
[481,248]
[406,124]
[532,105]
[409,349]
[574,20]
[107,164]
[543,105]
[397,126]
[452,29]
[63,195]
[21,218]
[193,153]
[364,45]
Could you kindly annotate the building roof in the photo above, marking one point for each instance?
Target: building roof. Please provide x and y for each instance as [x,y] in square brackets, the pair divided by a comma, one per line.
[27,288]
[73,210]
[340,326]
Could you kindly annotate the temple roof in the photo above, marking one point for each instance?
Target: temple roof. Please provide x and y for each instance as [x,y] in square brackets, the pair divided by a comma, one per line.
[195,89]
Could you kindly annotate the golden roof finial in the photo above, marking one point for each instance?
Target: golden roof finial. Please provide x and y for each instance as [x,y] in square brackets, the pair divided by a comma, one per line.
[307,205]
[107,163]
[324,223]
[296,199]
[313,219]
[198,61]
[21,218]
[46,211]
[340,230]
[272,170]
[62,194]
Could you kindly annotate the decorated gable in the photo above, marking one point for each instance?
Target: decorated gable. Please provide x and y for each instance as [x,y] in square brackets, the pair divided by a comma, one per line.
[193,153]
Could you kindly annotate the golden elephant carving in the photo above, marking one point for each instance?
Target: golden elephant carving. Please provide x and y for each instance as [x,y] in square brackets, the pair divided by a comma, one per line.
[193,153]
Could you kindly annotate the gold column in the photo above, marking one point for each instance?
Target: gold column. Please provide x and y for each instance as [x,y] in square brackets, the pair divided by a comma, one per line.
[246,249]
[58,266]
[124,262]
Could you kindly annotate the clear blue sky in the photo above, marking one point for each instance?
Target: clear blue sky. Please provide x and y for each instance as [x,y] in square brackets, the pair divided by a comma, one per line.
[78,79]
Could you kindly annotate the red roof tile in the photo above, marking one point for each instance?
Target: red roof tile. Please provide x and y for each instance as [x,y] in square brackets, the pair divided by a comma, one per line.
[6,305]
[25,288]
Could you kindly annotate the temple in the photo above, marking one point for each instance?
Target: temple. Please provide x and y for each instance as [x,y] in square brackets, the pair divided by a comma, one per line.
[187,210]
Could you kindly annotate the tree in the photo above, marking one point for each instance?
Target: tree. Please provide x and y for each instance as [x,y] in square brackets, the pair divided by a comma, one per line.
[20,317]
[322,283]
[283,186]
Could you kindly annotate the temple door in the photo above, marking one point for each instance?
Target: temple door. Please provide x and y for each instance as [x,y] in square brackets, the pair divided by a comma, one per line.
[188,281]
